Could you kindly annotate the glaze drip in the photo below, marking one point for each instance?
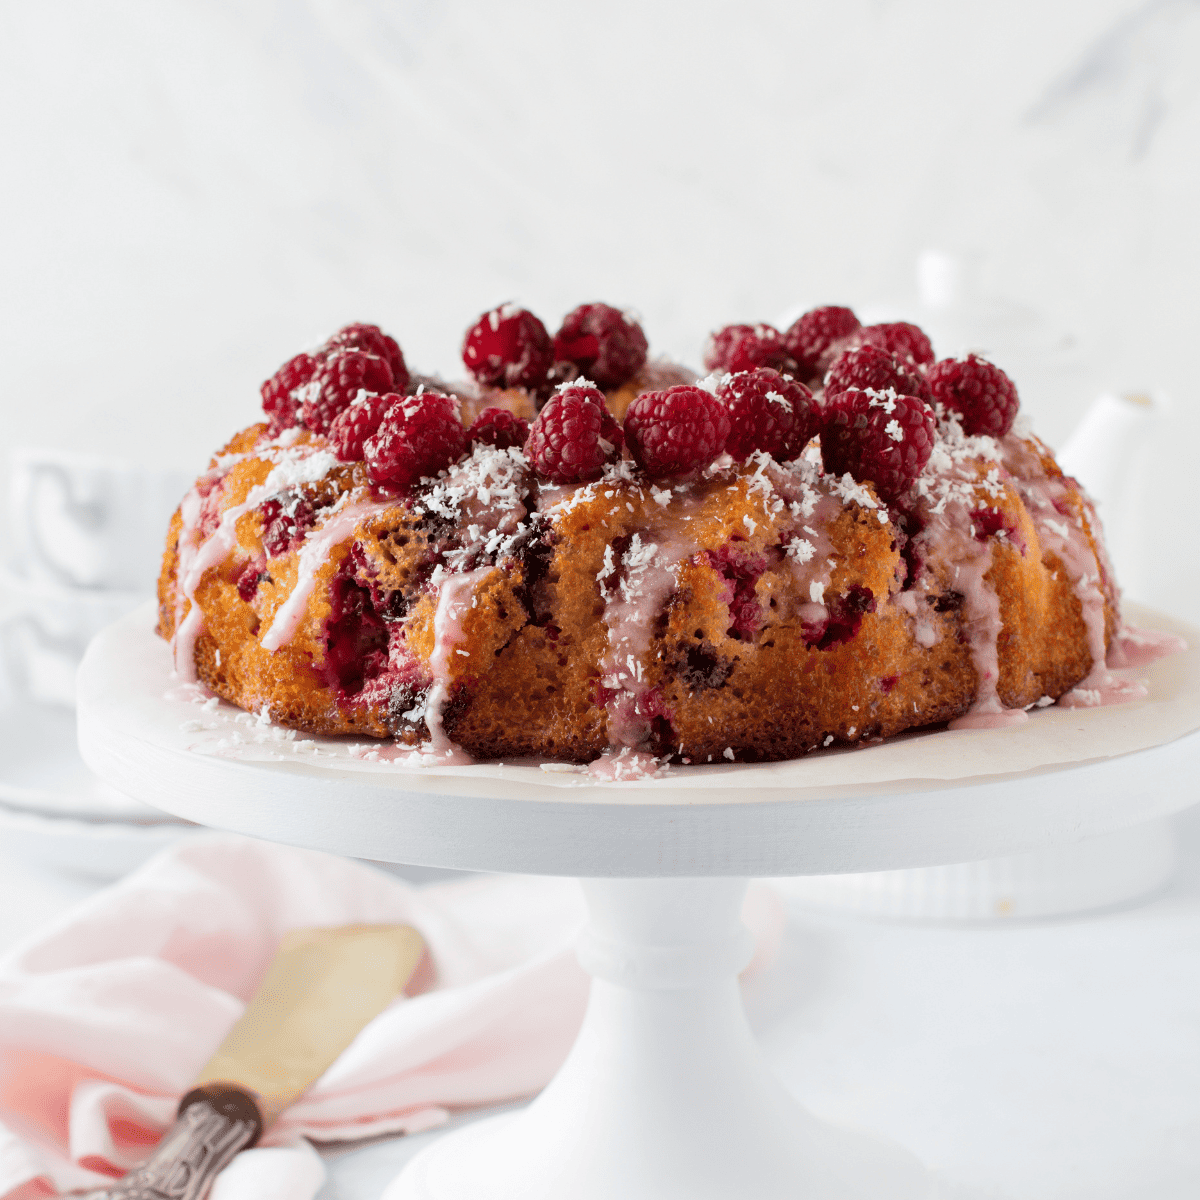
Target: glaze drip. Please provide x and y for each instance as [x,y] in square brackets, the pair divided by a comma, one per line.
[292,466]
[314,554]
[456,597]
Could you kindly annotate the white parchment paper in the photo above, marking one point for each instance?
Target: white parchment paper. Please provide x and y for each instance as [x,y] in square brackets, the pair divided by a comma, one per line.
[1053,738]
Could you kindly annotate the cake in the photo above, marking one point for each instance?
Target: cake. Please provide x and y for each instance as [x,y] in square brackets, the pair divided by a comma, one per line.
[585,555]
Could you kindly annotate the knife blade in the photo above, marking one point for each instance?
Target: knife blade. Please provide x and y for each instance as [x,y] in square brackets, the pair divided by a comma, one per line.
[322,987]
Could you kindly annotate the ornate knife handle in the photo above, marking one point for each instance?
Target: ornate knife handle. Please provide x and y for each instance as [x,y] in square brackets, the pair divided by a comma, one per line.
[215,1123]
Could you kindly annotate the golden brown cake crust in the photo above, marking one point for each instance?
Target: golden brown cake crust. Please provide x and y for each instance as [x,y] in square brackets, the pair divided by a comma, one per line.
[755,611]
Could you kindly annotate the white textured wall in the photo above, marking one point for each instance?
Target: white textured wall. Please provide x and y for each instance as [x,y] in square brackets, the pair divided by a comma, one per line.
[193,191]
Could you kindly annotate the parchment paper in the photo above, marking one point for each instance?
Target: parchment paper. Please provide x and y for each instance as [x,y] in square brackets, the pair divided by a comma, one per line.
[1053,738]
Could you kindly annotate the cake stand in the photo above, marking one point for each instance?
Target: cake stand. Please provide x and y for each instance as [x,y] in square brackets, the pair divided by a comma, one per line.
[664,1094]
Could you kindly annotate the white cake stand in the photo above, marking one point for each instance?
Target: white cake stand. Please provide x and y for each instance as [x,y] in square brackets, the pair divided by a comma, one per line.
[664,1094]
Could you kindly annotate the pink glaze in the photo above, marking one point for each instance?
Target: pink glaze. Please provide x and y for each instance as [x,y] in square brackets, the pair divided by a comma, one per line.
[1061,533]
[313,555]
[968,561]
[1102,687]
[812,569]
[291,467]
[650,569]
[456,595]
[209,554]
[1134,647]
[385,752]
[998,718]
[925,632]
[956,482]
[620,765]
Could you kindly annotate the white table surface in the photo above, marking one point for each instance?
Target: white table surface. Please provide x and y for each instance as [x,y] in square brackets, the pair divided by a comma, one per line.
[1055,1060]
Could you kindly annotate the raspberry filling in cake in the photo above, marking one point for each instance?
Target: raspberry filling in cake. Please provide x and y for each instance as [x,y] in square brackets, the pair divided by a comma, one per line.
[830,539]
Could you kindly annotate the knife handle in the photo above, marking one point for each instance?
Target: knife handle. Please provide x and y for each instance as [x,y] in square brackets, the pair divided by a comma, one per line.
[215,1122]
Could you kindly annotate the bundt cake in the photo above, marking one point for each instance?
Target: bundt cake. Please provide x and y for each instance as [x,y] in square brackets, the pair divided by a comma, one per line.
[585,555]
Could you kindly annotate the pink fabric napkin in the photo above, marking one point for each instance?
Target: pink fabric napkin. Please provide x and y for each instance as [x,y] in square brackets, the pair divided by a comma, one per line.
[107,1015]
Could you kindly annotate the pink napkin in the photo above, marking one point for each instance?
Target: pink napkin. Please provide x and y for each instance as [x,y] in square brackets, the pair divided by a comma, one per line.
[107,1015]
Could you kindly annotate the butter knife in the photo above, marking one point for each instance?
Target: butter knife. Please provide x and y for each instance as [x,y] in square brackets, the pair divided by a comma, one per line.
[321,989]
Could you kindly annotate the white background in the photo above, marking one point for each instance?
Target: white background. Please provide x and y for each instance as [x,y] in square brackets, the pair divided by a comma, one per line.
[194,191]
[190,192]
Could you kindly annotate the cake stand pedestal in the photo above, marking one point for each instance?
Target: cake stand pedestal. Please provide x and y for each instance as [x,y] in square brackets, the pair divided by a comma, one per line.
[664,1095]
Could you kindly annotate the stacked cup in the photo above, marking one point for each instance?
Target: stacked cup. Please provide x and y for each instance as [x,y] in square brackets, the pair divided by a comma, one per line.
[87,537]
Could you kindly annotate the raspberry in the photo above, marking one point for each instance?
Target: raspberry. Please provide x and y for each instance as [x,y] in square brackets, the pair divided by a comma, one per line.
[285,521]
[338,380]
[677,430]
[880,437]
[373,340]
[982,393]
[277,399]
[870,368]
[810,336]
[251,577]
[352,426]
[418,436]
[500,428]
[768,411]
[907,342]
[606,345]
[744,347]
[509,347]
[573,436]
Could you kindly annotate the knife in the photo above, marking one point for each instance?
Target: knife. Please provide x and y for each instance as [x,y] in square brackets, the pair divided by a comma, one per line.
[321,988]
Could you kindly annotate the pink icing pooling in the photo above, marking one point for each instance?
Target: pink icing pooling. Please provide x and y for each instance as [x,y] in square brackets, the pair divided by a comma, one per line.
[1134,647]
[313,555]
[620,765]
[998,718]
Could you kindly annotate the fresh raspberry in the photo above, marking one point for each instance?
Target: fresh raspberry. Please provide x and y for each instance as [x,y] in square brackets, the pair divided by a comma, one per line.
[768,411]
[573,436]
[352,426]
[251,577]
[810,336]
[870,368]
[677,430]
[500,428]
[338,380]
[744,347]
[373,340]
[606,345]
[982,393]
[880,437]
[285,521]
[418,436]
[277,400]
[907,342]
[509,347]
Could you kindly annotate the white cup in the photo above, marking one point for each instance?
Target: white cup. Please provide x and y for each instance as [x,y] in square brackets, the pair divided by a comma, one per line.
[88,522]
[45,629]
